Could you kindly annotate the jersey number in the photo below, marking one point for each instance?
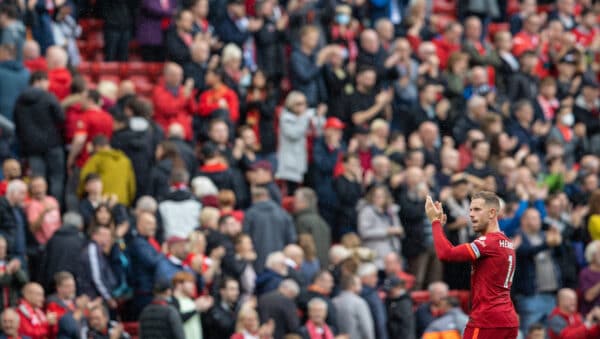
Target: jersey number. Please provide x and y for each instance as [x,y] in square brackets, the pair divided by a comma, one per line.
[511,272]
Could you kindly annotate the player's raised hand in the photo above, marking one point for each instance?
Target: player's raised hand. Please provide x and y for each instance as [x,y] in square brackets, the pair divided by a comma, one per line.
[433,210]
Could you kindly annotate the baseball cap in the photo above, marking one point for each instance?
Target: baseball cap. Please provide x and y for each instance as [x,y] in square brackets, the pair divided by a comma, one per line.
[334,123]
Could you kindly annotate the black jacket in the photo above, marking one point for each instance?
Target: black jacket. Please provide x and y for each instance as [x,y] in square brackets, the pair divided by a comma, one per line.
[401,319]
[282,310]
[160,320]
[136,142]
[187,153]
[269,49]
[117,14]
[219,322]
[177,50]
[58,255]
[412,216]
[522,86]
[159,179]
[37,118]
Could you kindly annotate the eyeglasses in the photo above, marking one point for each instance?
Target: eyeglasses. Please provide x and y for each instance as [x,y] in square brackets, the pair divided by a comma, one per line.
[299,103]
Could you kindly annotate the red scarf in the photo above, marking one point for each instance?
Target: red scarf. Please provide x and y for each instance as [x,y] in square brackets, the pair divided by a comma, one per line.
[314,334]
[35,315]
[152,241]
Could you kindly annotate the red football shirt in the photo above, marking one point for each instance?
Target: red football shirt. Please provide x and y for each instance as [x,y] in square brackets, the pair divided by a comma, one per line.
[493,267]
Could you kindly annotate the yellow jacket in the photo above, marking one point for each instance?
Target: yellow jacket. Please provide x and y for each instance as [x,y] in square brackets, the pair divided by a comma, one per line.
[116,172]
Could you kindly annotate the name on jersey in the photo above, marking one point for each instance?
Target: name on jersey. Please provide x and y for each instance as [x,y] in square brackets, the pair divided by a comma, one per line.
[506,244]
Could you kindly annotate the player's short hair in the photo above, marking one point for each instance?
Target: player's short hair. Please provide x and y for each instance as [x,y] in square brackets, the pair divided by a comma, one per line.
[489,198]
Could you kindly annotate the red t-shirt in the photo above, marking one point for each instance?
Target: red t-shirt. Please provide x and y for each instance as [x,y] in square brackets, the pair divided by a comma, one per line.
[493,267]
[93,122]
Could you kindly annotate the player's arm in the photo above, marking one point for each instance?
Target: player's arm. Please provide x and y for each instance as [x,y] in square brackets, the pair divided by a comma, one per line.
[444,248]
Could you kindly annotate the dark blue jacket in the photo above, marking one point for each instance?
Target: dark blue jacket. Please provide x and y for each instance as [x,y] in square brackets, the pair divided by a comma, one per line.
[95,277]
[267,281]
[14,81]
[324,161]
[525,280]
[307,78]
[144,261]
[378,311]
[228,32]
[166,269]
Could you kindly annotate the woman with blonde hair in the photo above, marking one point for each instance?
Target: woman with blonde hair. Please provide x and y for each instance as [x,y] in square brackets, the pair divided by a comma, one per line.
[292,158]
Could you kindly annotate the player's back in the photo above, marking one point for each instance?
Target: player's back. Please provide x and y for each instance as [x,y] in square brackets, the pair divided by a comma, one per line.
[491,280]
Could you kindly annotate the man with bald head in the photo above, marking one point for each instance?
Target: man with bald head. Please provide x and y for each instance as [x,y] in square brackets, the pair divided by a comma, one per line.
[430,136]
[173,102]
[33,321]
[565,322]
[197,66]
[32,57]
[58,74]
[10,322]
[373,55]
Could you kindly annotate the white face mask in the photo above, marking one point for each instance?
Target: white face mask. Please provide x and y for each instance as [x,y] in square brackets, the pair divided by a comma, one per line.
[568,119]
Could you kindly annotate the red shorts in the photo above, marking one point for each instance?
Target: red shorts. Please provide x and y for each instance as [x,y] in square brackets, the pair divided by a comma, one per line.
[491,333]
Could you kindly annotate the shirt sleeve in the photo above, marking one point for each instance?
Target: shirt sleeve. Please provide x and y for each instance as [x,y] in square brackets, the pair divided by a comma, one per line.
[446,251]
[81,127]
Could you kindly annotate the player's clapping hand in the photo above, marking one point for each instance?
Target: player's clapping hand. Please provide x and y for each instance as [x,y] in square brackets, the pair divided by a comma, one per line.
[434,210]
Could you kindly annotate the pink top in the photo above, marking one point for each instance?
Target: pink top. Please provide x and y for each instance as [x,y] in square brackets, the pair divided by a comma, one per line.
[51,222]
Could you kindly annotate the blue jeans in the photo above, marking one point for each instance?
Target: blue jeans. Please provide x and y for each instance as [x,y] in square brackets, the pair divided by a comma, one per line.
[51,165]
[534,308]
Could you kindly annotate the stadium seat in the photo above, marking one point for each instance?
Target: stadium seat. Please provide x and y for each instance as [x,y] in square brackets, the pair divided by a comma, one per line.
[133,328]
[445,7]
[421,297]
[496,27]
[109,68]
[512,7]
[154,70]
[136,68]
[109,77]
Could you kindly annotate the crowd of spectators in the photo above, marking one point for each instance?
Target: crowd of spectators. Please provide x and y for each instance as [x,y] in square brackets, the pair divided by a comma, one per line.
[272,183]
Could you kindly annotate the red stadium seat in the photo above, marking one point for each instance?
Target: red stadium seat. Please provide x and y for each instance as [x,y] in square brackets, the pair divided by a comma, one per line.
[109,77]
[421,297]
[109,68]
[143,85]
[445,7]
[154,70]
[136,68]
[496,27]
[133,328]
[84,67]
[512,7]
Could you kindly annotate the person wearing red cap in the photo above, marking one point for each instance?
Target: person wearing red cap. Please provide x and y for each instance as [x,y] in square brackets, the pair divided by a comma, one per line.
[327,154]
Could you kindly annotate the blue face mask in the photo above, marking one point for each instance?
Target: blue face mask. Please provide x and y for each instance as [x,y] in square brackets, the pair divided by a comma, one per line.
[342,19]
